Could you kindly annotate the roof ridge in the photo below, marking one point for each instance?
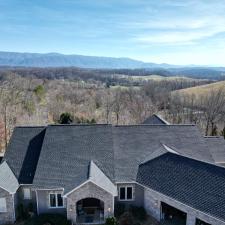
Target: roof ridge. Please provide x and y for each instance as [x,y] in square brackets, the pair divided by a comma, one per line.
[32,126]
[83,124]
[154,125]
[213,137]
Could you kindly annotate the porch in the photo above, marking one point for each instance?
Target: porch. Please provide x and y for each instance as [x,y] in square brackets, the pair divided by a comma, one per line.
[89,204]
[90,210]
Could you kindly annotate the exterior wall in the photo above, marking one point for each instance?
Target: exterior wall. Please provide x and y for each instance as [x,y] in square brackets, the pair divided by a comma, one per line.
[138,195]
[152,203]
[9,216]
[26,202]
[43,202]
[89,190]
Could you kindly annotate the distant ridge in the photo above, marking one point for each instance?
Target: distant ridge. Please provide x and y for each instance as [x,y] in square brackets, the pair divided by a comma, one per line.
[61,60]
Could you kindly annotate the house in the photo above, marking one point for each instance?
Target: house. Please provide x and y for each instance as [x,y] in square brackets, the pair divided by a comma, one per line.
[84,171]
[155,119]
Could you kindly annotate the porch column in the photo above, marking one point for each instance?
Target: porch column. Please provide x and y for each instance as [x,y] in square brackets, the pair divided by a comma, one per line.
[191,219]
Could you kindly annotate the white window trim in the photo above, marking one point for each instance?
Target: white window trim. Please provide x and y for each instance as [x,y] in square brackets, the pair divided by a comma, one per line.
[5,206]
[126,200]
[56,201]
[26,197]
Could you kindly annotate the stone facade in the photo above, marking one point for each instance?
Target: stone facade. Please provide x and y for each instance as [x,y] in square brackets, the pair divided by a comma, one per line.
[89,190]
[9,216]
[152,204]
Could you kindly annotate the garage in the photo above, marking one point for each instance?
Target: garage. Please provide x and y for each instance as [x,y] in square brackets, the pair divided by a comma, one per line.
[200,222]
[171,215]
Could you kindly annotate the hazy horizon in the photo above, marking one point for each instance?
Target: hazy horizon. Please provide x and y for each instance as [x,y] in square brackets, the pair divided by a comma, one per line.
[175,32]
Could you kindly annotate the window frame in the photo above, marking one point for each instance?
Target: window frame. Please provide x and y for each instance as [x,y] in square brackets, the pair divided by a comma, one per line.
[56,200]
[126,187]
[5,206]
[24,196]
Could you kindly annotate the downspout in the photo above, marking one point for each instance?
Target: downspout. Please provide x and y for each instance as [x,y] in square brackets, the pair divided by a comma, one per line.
[37,202]
[14,210]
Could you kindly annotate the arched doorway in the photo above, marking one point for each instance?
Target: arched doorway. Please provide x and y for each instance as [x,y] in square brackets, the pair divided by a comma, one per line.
[90,210]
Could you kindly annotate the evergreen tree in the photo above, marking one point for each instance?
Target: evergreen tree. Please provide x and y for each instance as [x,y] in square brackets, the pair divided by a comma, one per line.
[66,118]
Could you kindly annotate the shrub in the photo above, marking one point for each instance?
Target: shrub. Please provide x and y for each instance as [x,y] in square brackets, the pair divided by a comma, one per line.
[111,221]
[30,207]
[22,212]
[119,209]
[138,212]
[126,219]
[53,219]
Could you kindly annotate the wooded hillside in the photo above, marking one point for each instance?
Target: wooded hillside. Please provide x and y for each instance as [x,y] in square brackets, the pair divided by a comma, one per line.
[40,96]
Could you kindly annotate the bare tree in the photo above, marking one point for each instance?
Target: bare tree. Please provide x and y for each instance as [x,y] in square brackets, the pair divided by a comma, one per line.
[10,97]
[213,105]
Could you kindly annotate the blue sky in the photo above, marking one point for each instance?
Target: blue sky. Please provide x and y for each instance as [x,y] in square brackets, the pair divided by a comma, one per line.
[161,31]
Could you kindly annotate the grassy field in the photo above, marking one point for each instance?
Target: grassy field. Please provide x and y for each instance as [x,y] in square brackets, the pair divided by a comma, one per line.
[155,78]
[150,78]
[202,89]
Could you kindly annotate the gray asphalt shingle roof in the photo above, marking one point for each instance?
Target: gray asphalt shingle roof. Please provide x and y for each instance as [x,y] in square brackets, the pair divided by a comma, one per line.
[23,152]
[197,184]
[217,148]
[8,180]
[67,151]
[155,120]
[133,144]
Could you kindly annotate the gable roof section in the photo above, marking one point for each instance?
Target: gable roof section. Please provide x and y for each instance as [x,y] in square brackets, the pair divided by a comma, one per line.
[8,180]
[66,154]
[99,178]
[155,120]
[133,144]
[160,151]
[23,152]
[197,184]
[217,149]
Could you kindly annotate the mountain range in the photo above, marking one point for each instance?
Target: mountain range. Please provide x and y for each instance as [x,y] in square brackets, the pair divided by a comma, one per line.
[61,60]
[120,65]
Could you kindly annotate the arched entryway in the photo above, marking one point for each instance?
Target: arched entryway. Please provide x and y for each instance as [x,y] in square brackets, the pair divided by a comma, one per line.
[90,210]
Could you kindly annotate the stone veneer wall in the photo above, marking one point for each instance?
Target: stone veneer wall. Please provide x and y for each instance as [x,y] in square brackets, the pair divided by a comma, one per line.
[89,190]
[9,216]
[152,202]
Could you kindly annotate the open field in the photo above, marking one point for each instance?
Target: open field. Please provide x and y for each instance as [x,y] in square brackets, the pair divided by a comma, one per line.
[202,89]
[156,78]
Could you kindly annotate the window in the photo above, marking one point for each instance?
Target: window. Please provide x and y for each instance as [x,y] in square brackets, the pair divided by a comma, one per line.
[3,205]
[122,193]
[59,200]
[129,193]
[55,200]
[126,193]
[26,193]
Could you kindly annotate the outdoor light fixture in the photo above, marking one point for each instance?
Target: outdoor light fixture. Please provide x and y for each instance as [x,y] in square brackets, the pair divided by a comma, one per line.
[156,203]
